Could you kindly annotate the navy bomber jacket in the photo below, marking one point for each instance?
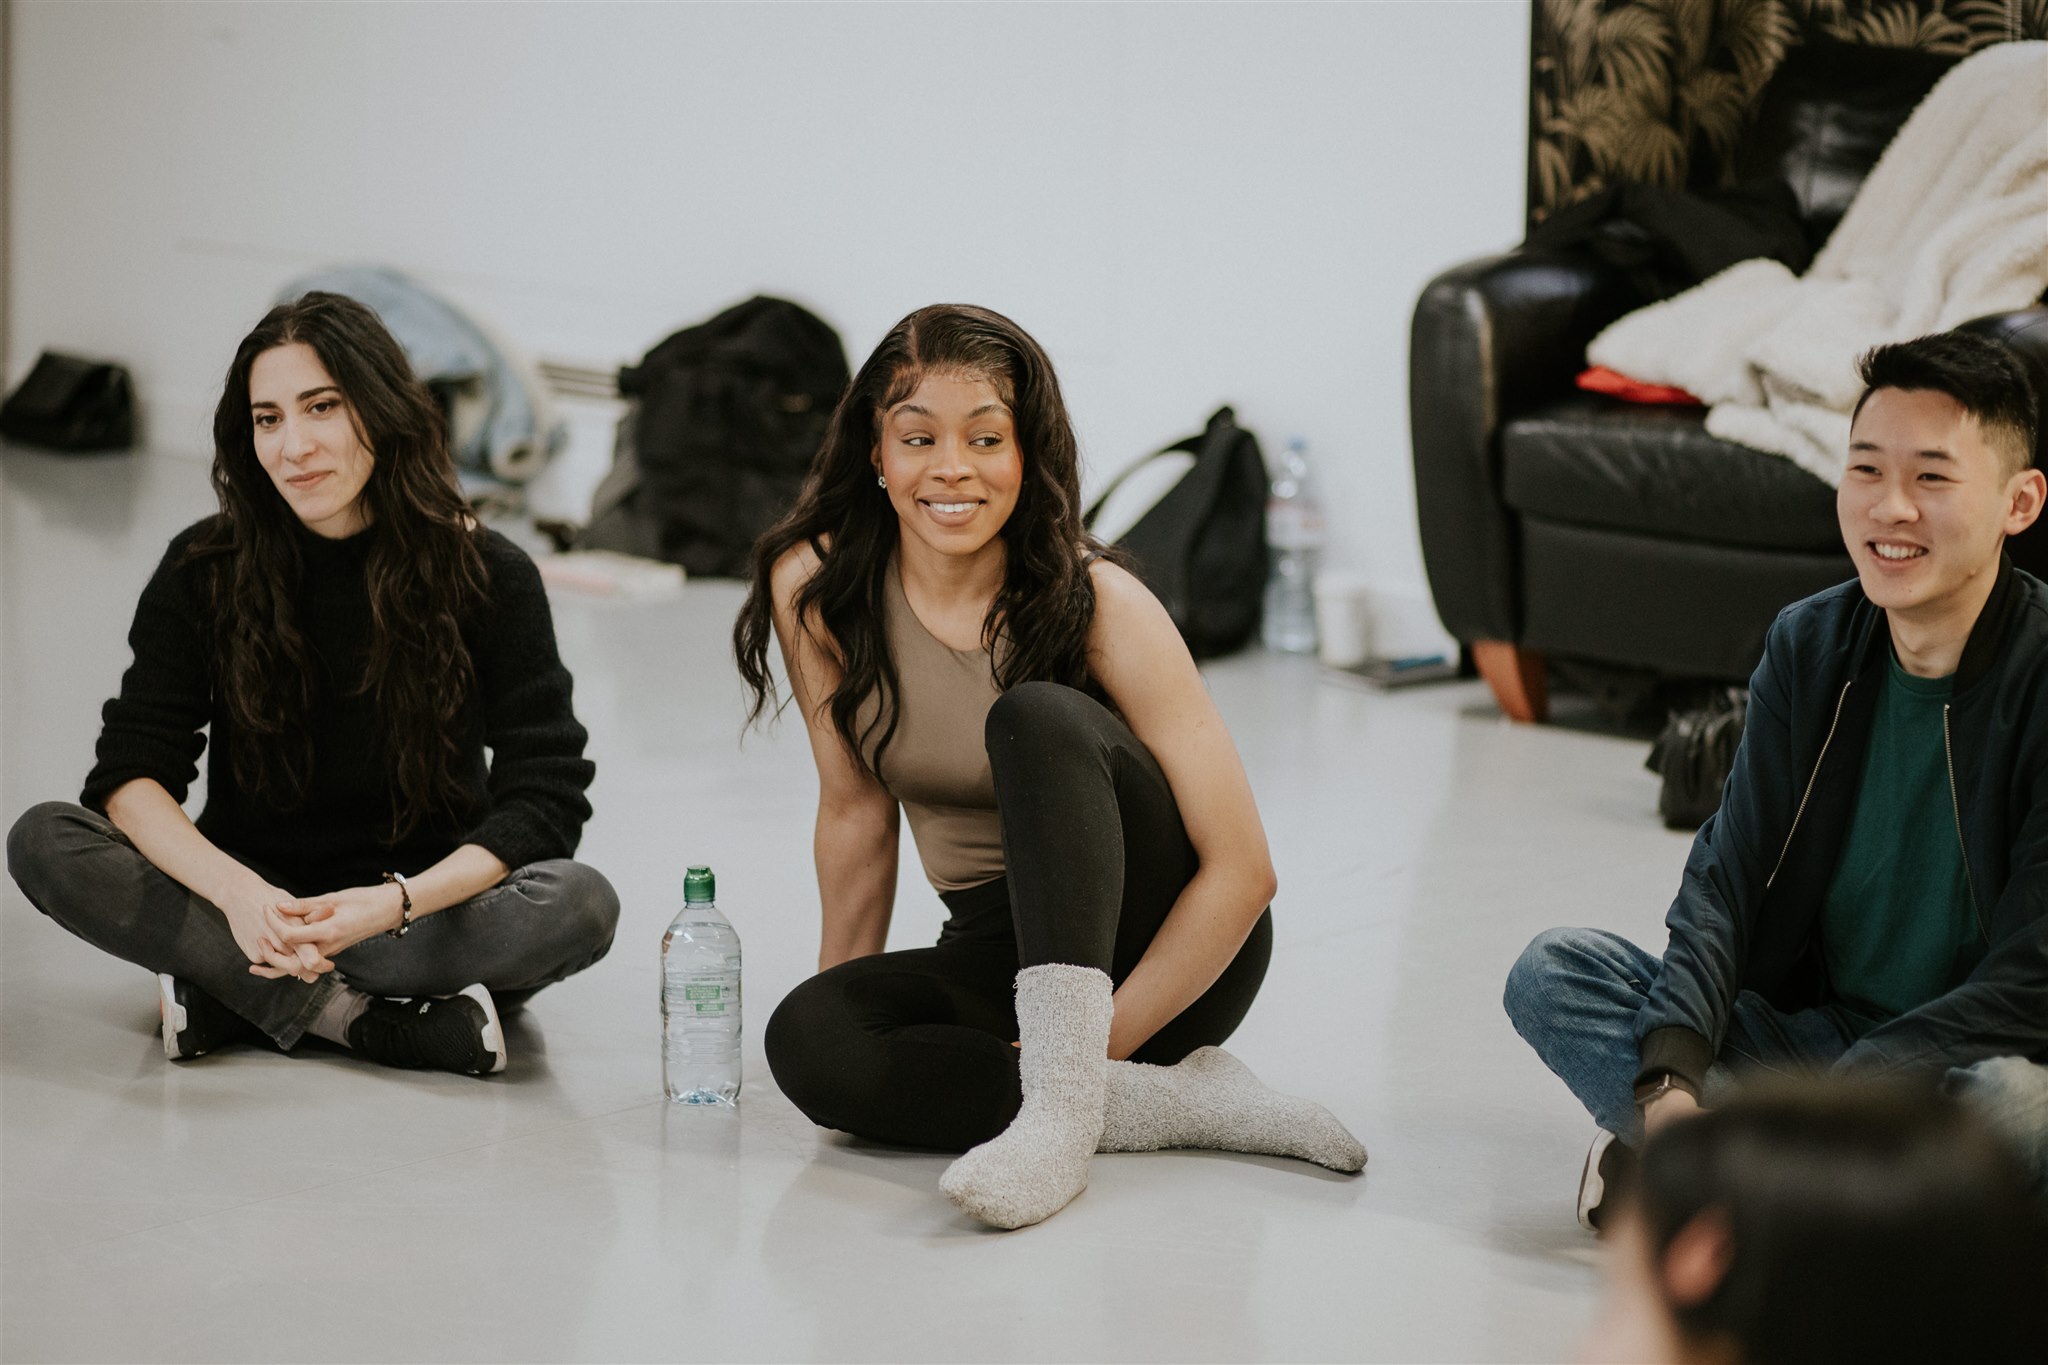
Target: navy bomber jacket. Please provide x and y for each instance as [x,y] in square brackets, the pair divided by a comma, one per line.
[1748,912]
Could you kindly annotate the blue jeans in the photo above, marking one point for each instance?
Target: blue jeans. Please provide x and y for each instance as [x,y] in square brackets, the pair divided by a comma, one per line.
[1574,994]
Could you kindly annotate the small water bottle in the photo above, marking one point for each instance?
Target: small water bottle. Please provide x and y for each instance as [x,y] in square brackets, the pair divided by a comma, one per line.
[700,999]
[1294,543]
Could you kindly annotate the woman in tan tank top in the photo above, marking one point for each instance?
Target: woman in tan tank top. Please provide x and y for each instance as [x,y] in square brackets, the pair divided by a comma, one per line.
[963,652]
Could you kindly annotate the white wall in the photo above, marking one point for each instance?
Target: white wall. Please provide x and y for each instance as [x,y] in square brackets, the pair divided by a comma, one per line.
[1187,204]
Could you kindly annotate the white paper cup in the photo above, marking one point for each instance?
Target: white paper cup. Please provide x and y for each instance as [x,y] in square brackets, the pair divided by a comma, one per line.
[1343,619]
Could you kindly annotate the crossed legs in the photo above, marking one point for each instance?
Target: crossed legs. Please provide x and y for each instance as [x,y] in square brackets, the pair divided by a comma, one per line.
[915,1047]
[542,923]
[1574,995]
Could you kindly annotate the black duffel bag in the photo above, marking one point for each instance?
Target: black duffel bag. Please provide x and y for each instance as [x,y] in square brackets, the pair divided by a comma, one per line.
[1694,755]
[71,404]
[1201,547]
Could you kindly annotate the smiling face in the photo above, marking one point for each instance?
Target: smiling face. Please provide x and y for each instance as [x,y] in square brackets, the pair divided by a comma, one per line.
[307,442]
[1926,503]
[949,452]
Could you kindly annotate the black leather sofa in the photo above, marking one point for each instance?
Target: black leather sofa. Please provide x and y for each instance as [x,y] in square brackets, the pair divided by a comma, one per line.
[1560,524]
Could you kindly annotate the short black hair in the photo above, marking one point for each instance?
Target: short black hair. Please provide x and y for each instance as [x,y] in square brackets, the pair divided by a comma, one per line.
[1979,373]
[1854,1207]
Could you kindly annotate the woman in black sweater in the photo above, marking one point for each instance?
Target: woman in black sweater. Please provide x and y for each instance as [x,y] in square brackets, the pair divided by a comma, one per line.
[356,643]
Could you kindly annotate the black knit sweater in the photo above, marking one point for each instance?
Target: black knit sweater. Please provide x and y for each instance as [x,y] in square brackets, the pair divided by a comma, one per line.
[525,804]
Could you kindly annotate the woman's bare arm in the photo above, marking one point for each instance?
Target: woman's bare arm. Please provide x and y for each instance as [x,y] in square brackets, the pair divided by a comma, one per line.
[338,920]
[856,839]
[1139,658]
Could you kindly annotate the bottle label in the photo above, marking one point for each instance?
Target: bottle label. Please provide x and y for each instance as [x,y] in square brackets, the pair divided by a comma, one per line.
[1293,526]
[706,997]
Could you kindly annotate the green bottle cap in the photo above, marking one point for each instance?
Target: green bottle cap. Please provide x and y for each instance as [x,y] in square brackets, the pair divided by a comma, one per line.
[699,886]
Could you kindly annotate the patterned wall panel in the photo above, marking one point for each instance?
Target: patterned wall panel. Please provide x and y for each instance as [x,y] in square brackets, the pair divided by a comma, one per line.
[1660,91]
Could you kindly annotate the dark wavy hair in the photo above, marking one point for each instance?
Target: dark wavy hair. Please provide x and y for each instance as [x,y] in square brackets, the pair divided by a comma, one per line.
[1037,626]
[1869,1222]
[425,571]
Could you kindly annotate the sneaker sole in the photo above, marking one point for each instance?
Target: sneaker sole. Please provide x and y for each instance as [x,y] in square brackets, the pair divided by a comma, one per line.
[494,1032]
[173,1015]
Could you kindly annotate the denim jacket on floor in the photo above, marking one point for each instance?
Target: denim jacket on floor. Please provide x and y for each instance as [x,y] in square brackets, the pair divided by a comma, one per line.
[516,431]
[1748,912]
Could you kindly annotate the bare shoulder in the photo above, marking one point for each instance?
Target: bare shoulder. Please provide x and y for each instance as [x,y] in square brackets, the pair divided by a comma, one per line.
[797,566]
[1121,597]
[1132,641]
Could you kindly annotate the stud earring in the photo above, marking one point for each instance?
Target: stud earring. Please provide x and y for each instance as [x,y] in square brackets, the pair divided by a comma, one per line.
[881,480]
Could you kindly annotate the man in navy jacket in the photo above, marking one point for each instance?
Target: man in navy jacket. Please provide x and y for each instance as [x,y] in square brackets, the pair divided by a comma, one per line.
[1872,895]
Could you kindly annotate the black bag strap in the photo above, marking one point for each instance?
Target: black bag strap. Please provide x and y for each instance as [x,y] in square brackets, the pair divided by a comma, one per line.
[1162,539]
[1088,517]
[1199,487]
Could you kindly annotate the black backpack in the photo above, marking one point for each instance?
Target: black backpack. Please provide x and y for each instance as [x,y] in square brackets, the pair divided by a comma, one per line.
[722,421]
[1202,547]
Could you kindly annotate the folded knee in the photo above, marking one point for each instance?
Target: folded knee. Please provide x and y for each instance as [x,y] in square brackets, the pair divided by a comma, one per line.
[1532,981]
[39,842]
[1999,1082]
[581,900]
[593,901]
[1034,712]
[797,1042]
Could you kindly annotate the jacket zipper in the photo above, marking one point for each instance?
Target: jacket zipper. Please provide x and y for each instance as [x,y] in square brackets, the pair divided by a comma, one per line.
[1948,752]
[1814,776]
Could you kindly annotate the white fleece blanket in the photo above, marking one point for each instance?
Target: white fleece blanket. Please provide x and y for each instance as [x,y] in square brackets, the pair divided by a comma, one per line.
[1952,224]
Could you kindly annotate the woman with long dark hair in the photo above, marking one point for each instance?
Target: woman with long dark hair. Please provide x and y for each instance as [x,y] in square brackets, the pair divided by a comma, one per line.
[961,650]
[355,643]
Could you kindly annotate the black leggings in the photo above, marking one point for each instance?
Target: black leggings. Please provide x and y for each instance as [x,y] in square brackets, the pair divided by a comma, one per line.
[913,1048]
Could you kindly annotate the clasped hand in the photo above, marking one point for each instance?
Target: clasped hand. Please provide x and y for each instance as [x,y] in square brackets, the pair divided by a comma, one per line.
[286,936]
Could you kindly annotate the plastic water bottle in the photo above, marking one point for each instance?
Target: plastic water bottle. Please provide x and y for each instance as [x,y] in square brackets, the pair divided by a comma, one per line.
[700,999]
[1294,542]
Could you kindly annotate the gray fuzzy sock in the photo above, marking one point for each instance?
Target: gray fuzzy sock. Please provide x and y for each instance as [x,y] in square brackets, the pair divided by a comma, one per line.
[1211,1100]
[1033,1168]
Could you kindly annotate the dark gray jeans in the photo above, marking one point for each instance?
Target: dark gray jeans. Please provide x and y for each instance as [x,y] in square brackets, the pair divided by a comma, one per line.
[544,922]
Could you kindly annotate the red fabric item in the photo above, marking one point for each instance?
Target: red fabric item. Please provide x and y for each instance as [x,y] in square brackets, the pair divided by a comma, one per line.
[1600,379]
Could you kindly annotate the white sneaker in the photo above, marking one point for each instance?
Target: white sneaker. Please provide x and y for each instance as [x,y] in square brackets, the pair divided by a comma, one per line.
[194,1023]
[1593,1178]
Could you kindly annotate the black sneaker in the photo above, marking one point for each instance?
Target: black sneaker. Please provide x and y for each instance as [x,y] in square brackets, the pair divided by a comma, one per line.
[1609,1163]
[194,1022]
[457,1033]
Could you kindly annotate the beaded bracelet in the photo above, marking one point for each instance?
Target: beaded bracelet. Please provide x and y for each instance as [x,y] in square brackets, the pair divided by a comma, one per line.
[397,879]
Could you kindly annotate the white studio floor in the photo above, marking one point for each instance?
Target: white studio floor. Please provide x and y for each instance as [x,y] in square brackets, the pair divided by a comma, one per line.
[251,1206]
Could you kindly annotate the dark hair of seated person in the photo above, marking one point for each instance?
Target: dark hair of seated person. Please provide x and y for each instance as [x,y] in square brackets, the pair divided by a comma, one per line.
[1984,377]
[1047,600]
[425,571]
[1855,1223]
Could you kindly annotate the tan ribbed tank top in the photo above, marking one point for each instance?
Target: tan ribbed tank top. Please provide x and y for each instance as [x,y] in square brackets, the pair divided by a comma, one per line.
[936,765]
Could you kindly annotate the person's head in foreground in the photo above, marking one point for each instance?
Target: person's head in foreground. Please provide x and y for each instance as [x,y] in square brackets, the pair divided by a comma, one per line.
[1825,1223]
[1940,472]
